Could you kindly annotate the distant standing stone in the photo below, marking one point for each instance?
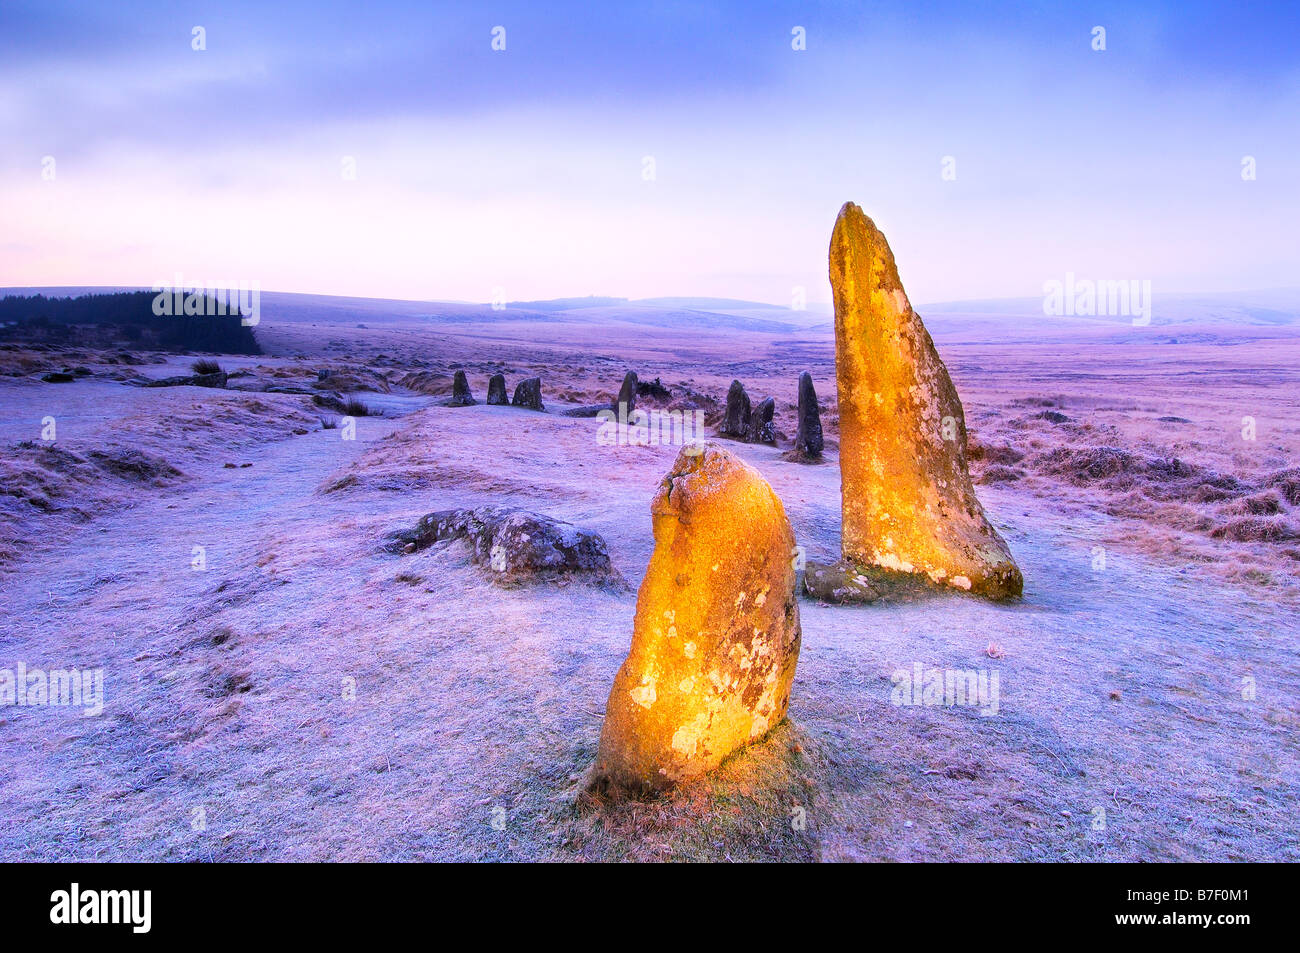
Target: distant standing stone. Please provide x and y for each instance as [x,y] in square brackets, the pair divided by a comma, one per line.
[808,442]
[761,427]
[497,390]
[736,423]
[529,394]
[460,395]
[627,393]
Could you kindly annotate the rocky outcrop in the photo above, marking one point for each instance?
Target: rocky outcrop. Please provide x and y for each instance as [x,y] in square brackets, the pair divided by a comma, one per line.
[587,410]
[736,422]
[497,389]
[528,394]
[217,379]
[846,583]
[716,636]
[908,502]
[761,427]
[514,544]
[281,389]
[838,584]
[460,393]
[808,441]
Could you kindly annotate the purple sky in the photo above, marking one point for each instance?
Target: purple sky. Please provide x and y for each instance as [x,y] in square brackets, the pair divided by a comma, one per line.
[524,169]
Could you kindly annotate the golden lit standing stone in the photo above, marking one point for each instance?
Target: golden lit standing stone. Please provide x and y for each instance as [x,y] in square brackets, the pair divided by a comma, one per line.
[716,635]
[908,502]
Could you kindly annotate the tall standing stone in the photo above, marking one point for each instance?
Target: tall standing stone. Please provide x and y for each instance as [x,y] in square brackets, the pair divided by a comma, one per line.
[908,502]
[716,635]
[528,394]
[736,423]
[497,389]
[808,442]
[460,394]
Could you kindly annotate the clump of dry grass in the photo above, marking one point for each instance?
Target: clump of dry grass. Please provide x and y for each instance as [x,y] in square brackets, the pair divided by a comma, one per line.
[1000,474]
[221,681]
[1157,478]
[1080,466]
[1287,482]
[993,453]
[1257,529]
[1214,508]
[1261,504]
[205,365]
[355,408]
[136,466]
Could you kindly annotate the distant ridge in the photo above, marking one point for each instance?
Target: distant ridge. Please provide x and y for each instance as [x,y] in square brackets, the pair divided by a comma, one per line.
[688,303]
[566,304]
[709,304]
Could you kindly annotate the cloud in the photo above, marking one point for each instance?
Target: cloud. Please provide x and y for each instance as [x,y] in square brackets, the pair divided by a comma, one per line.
[1066,159]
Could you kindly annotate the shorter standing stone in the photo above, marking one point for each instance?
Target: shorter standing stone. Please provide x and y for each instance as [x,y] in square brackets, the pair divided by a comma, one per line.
[497,389]
[736,423]
[460,395]
[716,635]
[528,394]
[627,393]
[761,427]
[808,442]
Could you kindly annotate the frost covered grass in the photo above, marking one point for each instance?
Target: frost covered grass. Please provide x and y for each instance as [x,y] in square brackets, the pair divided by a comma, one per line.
[309,696]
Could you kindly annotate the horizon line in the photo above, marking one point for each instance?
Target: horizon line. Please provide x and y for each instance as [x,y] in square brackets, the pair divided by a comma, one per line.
[518,305]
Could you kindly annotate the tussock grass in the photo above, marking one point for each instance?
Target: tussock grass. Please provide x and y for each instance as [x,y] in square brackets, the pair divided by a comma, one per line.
[759,805]
[355,408]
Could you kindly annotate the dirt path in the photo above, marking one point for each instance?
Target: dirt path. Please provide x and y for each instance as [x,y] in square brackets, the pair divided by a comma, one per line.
[307,697]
